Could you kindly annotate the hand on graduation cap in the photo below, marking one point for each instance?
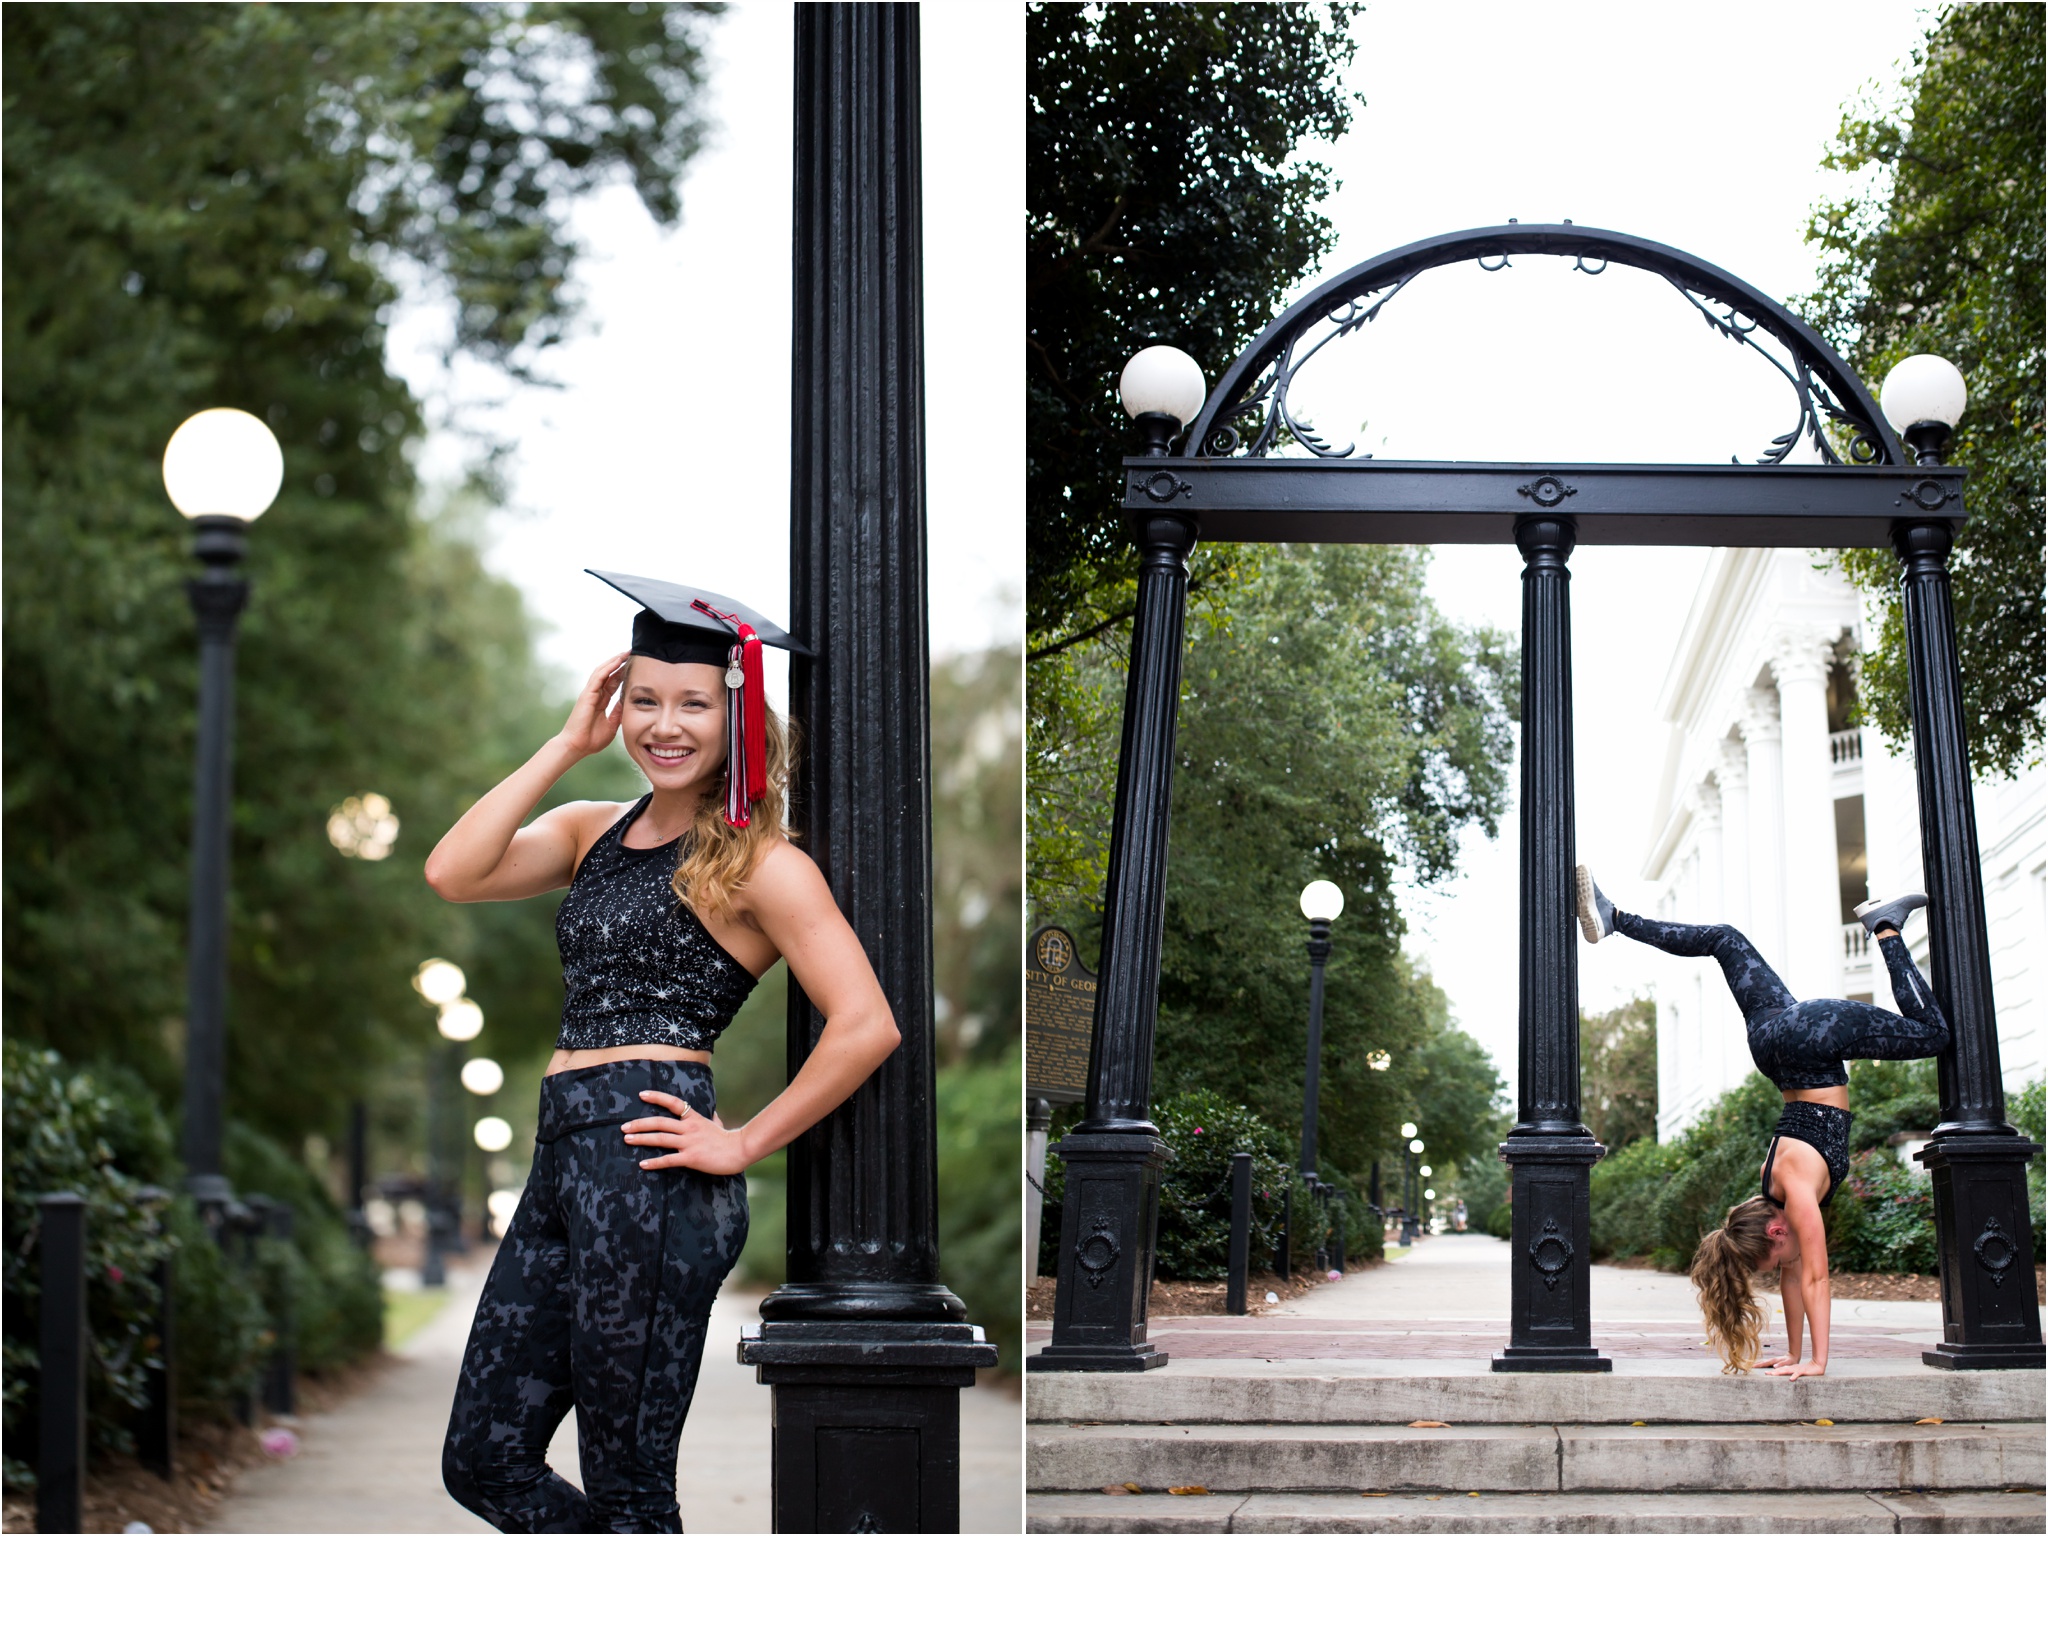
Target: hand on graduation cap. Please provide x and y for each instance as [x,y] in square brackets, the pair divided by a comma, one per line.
[591,725]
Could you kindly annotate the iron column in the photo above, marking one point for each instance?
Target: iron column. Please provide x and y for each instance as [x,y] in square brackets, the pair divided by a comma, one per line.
[1550,1152]
[1977,1159]
[865,1348]
[1109,1214]
[1318,957]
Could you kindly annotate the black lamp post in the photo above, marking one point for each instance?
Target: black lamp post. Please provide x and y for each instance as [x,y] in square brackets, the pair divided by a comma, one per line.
[441,984]
[222,469]
[1321,902]
[1109,1213]
[865,1347]
[1976,1158]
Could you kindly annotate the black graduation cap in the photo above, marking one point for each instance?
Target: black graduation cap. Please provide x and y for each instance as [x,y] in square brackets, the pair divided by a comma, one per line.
[683,626]
[676,624]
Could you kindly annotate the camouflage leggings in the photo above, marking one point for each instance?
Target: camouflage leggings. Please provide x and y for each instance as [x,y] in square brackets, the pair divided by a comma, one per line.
[1799,1045]
[598,1300]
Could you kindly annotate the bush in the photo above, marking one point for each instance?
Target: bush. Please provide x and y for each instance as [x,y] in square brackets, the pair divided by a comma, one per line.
[98,1132]
[1881,1218]
[980,1230]
[1626,1186]
[63,1126]
[2025,1111]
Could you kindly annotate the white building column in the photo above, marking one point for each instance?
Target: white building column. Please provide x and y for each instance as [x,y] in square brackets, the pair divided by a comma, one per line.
[1714,1012]
[1760,732]
[1733,775]
[1812,888]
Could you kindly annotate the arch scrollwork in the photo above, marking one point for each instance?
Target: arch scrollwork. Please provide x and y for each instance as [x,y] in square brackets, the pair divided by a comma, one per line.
[1837,415]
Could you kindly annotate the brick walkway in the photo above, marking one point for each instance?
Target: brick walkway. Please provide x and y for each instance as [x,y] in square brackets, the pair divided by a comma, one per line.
[1448,1299]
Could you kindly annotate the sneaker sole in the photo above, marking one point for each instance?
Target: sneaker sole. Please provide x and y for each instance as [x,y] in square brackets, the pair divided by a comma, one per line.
[1589,917]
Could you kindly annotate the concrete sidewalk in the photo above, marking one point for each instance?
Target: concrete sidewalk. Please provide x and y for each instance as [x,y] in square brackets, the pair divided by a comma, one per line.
[373,1466]
[1447,1301]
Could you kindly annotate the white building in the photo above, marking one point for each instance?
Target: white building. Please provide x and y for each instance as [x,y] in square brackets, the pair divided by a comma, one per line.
[1776,816]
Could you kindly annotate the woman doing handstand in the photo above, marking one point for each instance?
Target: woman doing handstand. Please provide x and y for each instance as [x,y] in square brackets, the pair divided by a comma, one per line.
[678,903]
[1800,1045]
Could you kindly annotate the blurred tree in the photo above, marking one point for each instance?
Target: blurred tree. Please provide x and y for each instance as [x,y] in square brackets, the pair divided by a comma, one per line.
[1943,254]
[1163,204]
[1618,1073]
[207,204]
[1337,726]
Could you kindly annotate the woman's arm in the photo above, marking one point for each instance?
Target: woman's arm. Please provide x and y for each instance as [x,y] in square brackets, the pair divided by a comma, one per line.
[789,900]
[1802,1215]
[1795,1313]
[487,857]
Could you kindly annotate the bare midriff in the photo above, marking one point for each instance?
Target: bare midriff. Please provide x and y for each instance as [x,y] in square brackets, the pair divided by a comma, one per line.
[1834,1096]
[563,1062]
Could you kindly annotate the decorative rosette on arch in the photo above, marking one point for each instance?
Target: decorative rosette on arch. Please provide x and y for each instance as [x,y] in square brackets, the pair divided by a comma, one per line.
[680,625]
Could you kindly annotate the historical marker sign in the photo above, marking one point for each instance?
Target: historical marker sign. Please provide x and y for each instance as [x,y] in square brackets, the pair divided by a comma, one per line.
[1059,1018]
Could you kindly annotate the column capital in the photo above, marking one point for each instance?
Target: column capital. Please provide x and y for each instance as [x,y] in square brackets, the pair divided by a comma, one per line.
[1706,801]
[1760,713]
[1733,764]
[1802,653]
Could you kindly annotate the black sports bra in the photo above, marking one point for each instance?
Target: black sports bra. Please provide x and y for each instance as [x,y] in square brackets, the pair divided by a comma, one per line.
[1821,1127]
[637,966]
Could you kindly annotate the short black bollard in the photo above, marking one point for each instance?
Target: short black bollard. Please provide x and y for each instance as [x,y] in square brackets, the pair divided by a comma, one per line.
[156,1422]
[281,1376]
[1240,1232]
[358,1173]
[240,1222]
[1283,1248]
[62,1339]
[1339,1227]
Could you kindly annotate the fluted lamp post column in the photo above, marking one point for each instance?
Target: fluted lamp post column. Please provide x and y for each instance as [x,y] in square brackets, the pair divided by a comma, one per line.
[1109,1212]
[222,469]
[1984,1239]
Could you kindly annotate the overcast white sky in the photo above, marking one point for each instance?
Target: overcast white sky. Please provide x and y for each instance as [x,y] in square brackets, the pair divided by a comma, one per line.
[665,453]
[1703,129]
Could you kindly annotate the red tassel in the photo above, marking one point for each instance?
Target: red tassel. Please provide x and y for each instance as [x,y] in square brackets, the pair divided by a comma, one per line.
[746,722]
[755,696]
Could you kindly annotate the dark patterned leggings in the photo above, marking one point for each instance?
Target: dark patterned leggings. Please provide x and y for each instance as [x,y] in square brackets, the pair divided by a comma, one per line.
[597,1301]
[1801,1044]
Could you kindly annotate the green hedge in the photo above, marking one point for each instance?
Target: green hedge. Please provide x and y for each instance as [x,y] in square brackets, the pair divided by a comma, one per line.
[1204,1128]
[1659,1200]
[99,1133]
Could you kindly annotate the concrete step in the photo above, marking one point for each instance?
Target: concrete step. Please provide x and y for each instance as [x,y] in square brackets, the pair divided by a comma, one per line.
[1954,1512]
[1249,1392]
[1535,1458]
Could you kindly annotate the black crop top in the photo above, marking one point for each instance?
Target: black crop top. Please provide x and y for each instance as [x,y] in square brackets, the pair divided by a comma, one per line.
[638,967]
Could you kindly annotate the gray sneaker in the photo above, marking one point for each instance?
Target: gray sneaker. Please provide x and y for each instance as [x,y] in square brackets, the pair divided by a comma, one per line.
[1893,913]
[1596,914]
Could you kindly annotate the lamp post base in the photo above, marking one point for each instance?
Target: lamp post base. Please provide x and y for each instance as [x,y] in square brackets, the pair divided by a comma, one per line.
[867,1422]
[1551,1360]
[1984,1246]
[1945,1356]
[1109,1222]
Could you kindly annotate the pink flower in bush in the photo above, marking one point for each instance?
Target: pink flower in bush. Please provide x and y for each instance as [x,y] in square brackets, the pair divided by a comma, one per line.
[280,1443]
[115,1275]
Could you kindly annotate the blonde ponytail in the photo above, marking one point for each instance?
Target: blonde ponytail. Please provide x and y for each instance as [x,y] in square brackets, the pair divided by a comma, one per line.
[1722,1267]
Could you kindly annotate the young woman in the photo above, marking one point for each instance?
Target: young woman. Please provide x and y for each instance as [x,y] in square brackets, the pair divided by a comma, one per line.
[1800,1046]
[635,1209]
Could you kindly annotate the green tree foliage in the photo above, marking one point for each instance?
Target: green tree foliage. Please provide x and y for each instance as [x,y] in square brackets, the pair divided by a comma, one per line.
[208,204]
[1618,1073]
[1164,205]
[1336,727]
[1949,260]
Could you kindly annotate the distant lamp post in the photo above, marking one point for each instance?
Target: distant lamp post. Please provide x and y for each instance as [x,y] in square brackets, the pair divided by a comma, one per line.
[1407,1132]
[441,984]
[482,1077]
[1321,902]
[363,826]
[222,469]
[1923,397]
[493,1134]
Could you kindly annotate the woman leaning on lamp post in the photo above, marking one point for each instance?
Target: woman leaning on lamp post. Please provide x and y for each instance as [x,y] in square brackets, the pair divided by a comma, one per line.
[635,1210]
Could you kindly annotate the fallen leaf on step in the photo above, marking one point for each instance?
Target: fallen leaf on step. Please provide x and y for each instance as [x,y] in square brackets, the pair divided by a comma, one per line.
[1437,1425]
[1931,1420]
[1191,1488]
[1823,1422]
[1432,1498]
[1639,1422]
[1473,1495]
[1132,1488]
[1371,1496]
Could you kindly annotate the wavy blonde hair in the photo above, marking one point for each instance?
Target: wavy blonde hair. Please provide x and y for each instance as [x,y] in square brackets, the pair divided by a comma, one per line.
[717,858]
[1722,1268]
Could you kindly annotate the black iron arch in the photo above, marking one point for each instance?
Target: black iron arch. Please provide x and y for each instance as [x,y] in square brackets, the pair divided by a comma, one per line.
[1258,382]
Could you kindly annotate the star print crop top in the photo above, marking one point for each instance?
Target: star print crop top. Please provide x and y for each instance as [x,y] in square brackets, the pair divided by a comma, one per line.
[637,966]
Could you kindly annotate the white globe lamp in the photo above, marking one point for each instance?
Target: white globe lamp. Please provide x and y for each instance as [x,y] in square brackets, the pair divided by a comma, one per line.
[223,463]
